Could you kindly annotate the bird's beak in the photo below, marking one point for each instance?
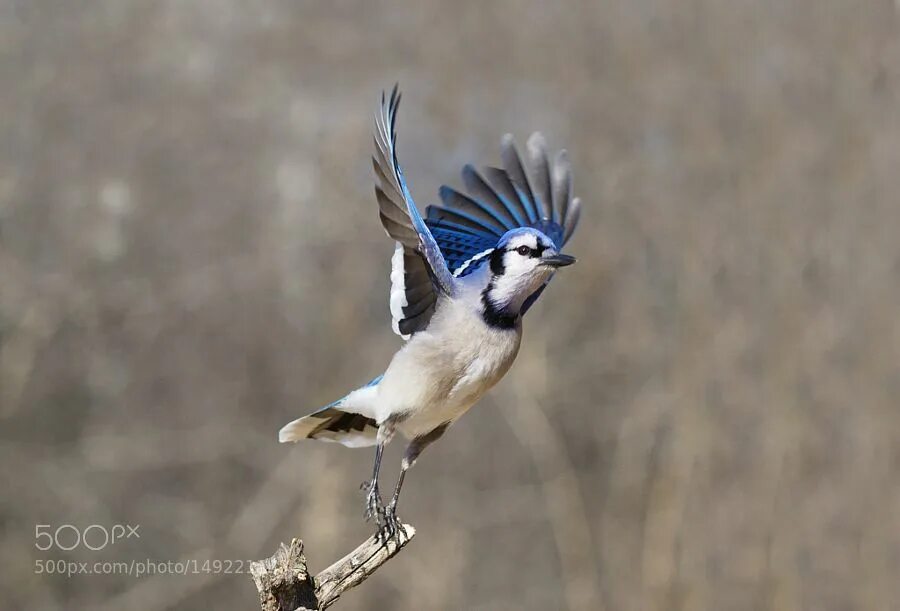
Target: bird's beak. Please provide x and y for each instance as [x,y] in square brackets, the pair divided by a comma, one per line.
[558,260]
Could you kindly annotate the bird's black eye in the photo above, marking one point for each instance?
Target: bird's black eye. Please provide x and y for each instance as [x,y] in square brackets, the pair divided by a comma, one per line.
[523,250]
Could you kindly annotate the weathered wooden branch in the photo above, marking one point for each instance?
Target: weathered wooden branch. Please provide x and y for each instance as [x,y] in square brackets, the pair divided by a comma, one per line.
[284,583]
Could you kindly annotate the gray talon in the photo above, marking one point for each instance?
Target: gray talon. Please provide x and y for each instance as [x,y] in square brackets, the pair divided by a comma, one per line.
[392,526]
[374,505]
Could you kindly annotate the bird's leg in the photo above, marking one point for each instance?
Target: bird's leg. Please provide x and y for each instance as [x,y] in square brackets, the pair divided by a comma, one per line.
[415,447]
[391,520]
[374,505]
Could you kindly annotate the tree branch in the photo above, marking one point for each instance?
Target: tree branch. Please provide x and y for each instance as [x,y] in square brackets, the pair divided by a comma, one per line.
[284,584]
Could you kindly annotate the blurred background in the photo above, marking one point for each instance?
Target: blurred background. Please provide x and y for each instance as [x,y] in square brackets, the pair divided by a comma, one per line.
[704,411]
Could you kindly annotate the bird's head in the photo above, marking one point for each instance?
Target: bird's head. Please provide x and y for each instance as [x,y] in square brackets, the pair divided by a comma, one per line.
[520,264]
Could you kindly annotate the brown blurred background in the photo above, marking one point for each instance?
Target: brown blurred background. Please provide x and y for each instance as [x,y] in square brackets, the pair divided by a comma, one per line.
[704,412]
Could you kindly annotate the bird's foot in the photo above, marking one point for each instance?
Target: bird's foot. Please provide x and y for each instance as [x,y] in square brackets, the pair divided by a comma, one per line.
[374,505]
[392,526]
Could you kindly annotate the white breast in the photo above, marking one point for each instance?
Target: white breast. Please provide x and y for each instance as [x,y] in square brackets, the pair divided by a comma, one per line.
[443,370]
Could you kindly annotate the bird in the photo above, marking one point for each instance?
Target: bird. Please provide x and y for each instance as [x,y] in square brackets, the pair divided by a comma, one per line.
[462,278]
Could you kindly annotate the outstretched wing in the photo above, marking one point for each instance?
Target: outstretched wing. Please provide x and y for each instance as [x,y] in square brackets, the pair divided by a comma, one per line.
[497,200]
[418,272]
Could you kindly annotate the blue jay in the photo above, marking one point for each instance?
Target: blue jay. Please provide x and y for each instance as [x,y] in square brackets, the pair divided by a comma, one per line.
[461,280]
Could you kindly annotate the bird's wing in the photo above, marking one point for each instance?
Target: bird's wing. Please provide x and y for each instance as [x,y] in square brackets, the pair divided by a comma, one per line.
[497,200]
[418,273]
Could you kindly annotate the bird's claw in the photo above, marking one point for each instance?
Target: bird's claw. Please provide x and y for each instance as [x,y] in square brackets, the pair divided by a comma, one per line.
[388,524]
[391,526]
[374,505]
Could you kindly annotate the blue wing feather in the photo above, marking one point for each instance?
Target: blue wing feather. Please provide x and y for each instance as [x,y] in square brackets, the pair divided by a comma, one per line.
[499,181]
[427,244]
[463,218]
[528,203]
[455,229]
[457,246]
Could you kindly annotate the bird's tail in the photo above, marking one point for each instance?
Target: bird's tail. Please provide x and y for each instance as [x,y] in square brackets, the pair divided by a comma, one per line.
[332,424]
[346,421]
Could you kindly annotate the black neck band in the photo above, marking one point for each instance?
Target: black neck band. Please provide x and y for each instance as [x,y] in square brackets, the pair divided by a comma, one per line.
[494,316]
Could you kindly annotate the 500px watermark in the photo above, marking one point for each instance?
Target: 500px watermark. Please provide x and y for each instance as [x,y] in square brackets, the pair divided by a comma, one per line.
[94,537]
[141,568]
